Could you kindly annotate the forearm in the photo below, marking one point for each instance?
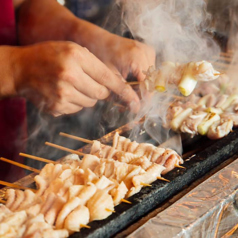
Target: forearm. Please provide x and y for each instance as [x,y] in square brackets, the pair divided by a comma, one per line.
[7,72]
[47,20]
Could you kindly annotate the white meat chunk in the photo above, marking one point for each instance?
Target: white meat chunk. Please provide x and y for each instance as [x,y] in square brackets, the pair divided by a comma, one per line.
[4,211]
[67,208]
[19,198]
[142,161]
[90,176]
[28,199]
[118,193]
[151,175]
[10,196]
[156,154]
[99,204]
[79,216]
[15,219]
[220,129]
[90,162]
[53,212]
[128,179]
[172,160]
[86,193]
[74,190]
[79,176]
[49,201]
[103,182]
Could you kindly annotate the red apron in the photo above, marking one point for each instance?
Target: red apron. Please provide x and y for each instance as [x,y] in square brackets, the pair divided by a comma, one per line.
[12,110]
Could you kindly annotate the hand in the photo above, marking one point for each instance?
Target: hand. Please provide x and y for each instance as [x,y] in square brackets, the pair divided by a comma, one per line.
[126,56]
[63,77]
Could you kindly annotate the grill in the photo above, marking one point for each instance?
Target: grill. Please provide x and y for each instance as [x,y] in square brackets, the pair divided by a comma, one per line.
[201,155]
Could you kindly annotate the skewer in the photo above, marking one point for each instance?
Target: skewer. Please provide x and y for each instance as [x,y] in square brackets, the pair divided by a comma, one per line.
[109,210]
[163,179]
[133,83]
[13,185]
[2,201]
[64,148]
[125,201]
[179,166]
[85,226]
[76,138]
[146,184]
[230,232]
[20,165]
[37,158]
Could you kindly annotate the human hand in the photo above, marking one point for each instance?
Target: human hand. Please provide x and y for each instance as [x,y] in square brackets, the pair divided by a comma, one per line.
[126,56]
[63,77]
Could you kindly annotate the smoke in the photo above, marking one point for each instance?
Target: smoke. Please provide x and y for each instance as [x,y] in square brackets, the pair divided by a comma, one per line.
[179,31]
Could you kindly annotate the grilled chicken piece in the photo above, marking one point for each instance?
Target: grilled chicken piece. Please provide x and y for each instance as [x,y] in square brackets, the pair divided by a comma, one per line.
[19,198]
[48,203]
[142,161]
[133,172]
[208,100]
[29,198]
[4,211]
[90,162]
[52,213]
[86,193]
[220,129]
[10,196]
[80,215]
[118,193]
[103,183]
[66,210]
[149,176]
[99,204]
[89,176]
[157,153]
[232,116]
[190,125]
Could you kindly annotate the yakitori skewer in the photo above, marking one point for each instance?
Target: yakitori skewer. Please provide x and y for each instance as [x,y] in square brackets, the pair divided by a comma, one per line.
[64,148]
[20,165]
[109,210]
[37,158]
[13,185]
[133,83]
[91,142]
[85,226]
[230,232]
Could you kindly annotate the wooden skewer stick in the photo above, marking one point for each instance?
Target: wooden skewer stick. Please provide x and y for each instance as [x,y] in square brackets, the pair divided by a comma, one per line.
[109,210]
[133,83]
[85,226]
[2,201]
[146,184]
[20,165]
[125,201]
[230,232]
[163,179]
[76,138]
[179,166]
[64,148]
[13,185]
[37,158]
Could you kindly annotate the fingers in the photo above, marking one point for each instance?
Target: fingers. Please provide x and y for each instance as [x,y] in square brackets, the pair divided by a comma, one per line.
[99,72]
[91,88]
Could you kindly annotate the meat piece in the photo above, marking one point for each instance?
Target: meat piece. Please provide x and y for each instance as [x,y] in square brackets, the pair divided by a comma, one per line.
[86,193]
[133,190]
[103,182]
[230,116]
[143,162]
[49,233]
[151,175]
[157,152]
[80,215]
[50,199]
[170,163]
[190,124]
[90,162]
[66,210]
[10,196]
[29,198]
[52,213]
[99,170]
[132,147]
[99,204]
[19,198]
[207,101]
[79,176]
[128,179]
[125,157]
[15,219]
[90,176]
[220,129]
[118,193]
[4,211]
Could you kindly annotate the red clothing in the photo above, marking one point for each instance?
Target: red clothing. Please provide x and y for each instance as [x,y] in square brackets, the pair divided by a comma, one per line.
[12,110]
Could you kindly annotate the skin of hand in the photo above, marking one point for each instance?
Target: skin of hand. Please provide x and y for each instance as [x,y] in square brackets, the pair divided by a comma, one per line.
[59,77]
[123,56]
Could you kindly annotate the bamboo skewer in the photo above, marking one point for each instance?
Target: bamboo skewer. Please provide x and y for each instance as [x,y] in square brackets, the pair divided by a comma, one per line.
[20,165]
[125,201]
[145,184]
[109,210]
[133,83]
[230,232]
[179,166]
[64,148]
[163,179]
[2,201]
[85,226]
[13,185]
[76,138]
[38,158]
